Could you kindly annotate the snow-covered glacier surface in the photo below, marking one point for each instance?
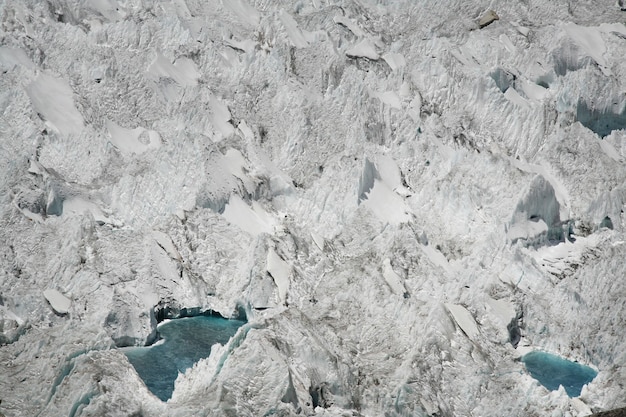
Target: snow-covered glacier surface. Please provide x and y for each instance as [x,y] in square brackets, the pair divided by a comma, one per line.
[404,197]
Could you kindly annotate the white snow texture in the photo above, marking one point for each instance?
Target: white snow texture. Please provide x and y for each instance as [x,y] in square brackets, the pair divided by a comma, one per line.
[382,185]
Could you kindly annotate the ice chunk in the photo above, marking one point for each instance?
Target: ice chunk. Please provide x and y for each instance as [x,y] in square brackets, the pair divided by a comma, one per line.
[393,280]
[488,18]
[514,97]
[59,303]
[52,97]
[464,319]
[394,60]
[344,21]
[280,272]
[363,49]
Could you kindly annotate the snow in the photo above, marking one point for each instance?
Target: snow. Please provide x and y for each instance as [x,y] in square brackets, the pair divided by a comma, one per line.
[53,98]
[386,204]
[132,141]
[251,219]
[183,70]
[591,41]
[78,206]
[243,10]
[10,57]
[503,310]
[349,175]
[294,33]
[59,302]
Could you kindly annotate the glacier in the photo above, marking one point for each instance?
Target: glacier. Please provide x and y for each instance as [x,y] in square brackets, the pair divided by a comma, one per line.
[403,198]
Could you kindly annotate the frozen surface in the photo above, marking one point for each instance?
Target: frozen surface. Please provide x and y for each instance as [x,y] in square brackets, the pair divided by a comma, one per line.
[553,371]
[393,195]
[185,342]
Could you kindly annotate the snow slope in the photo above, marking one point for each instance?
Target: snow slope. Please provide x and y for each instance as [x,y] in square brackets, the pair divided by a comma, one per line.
[381,185]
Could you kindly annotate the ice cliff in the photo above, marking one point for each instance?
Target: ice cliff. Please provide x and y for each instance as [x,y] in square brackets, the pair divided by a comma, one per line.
[386,188]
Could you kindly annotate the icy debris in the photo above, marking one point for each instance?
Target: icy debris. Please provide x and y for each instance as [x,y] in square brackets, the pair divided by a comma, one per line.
[389,98]
[10,57]
[538,212]
[77,205]
[521,29]
[395,60]
[393,280]
[348,23]
[164,241]
[590,40]
[387,205]
[59,303]
[464,319]
[514,97]
[506,42]
[10,325]
[53,98]
[238,166]
[488,18]
[246,13]
[503,310]
[246,45]
[184,71]
[366,182]
[254,220]
[220,118]
[293,31]
[363,49]
[319,240]
[280,272]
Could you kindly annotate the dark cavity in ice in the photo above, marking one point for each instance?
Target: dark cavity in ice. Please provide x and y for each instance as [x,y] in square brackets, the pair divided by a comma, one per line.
[504,79]
[600,121]
[553,371]
[185,342]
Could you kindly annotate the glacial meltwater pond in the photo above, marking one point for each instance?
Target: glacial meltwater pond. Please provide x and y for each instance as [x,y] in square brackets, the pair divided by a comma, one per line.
[185,342]
[552,371]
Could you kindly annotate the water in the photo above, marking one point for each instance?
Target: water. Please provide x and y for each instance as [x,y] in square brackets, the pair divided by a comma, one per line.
[186,341]
[552,371]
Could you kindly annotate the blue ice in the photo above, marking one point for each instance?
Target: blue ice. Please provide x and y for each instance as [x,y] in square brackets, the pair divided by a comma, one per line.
[186,341]
[552,371]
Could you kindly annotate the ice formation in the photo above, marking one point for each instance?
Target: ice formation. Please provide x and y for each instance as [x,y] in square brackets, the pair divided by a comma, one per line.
[403,197]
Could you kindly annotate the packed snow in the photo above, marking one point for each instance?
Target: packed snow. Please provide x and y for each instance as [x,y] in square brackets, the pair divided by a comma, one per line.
[403,198]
